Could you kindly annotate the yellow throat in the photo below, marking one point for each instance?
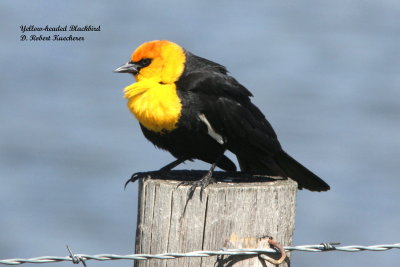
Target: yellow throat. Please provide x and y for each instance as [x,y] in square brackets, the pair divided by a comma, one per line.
[153,99]
[156,106]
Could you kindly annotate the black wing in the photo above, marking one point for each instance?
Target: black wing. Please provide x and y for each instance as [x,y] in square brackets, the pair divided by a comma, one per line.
[226,105]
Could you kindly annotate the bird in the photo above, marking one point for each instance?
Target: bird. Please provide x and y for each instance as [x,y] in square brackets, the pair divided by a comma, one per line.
[193,108]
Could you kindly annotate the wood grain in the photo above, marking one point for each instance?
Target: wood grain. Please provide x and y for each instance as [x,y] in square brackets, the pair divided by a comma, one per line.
[230,215]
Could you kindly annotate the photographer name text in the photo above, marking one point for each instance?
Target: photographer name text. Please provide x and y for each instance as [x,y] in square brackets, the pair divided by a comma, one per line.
[58,32]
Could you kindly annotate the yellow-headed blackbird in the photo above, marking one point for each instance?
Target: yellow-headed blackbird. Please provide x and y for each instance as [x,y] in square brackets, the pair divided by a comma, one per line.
[193,108]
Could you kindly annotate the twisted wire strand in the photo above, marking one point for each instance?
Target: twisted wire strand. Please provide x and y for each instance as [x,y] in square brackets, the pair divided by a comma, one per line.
[324,247]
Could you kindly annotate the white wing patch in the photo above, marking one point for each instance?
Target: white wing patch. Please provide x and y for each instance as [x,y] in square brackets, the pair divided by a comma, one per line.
[216,136]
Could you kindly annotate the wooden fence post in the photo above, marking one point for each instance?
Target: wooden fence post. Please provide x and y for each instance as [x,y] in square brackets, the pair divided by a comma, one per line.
[230,215]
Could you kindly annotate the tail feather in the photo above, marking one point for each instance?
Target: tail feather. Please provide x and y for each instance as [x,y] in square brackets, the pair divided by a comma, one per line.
[281,164]
[303,176]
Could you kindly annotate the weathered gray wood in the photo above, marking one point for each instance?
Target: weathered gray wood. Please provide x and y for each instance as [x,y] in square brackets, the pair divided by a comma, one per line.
[230,215]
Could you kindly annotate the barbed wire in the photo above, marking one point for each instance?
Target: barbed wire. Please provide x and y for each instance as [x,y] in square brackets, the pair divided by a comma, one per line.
[76,258]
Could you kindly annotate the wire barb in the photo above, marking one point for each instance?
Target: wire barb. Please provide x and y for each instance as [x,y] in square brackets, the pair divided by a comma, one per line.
[76,259]
[329,246]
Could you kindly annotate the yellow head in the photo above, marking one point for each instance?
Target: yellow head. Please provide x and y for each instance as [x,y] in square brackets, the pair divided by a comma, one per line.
[161,61]
[153,99]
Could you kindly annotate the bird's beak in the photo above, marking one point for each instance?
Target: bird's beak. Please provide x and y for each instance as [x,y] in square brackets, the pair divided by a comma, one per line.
[128,68]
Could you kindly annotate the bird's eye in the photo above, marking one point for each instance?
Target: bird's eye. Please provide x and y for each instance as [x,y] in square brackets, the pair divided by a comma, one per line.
[145,62]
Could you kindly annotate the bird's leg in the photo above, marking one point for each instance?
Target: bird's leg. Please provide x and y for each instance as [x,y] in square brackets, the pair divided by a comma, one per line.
[166,168]
[203,182]
[172,165]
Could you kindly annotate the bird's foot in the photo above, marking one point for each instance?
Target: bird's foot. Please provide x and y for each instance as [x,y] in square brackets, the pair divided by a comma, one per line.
[142,175]
[202,183]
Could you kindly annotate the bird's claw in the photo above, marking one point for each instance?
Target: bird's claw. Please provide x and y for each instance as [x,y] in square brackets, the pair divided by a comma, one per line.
[136,176]
[202,183]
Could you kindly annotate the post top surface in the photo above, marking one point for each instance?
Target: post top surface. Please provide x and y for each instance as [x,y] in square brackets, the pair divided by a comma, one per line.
[224,179]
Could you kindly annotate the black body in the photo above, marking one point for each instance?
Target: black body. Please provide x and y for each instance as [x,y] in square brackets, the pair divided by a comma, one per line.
[206,88]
